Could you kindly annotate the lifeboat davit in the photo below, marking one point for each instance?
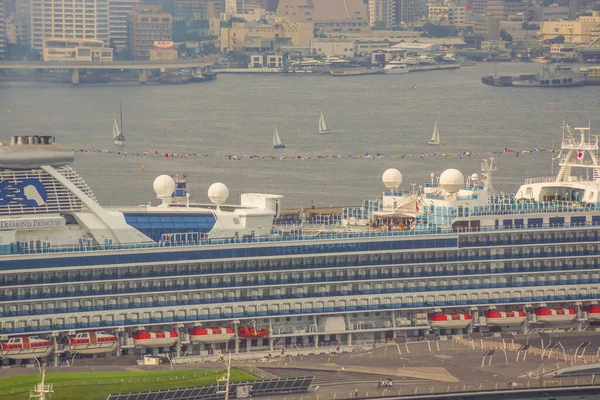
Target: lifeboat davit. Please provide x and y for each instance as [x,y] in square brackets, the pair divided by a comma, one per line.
[454,320]
[554,315]
[24,347]
[594,313]
[155,339]
[93,343]
[211,335]
[252,333]
[495,317]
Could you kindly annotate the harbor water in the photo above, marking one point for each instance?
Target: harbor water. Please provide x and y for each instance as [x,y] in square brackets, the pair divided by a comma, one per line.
[236,114]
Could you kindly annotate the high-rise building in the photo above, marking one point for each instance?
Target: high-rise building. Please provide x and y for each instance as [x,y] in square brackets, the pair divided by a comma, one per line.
[189,18]
[233,7]
[408,11]
[118,13]
[22,23]
[2,30]
[58,19]
[146,25]
[382,13]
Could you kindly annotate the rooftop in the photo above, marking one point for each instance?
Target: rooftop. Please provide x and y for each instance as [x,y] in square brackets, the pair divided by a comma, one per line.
[323,10]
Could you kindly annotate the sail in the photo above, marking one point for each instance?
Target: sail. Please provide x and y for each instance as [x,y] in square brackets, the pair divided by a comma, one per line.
[322,124]
[116,130]
[276,139]
[435,137]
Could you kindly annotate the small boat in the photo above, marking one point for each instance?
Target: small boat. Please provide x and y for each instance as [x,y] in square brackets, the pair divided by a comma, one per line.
[555,315]
[24,347]
[252,333]
[454,320]
[322,125]
[155,338]
[435,137]
[495,317]
[396,67]
[93,343]
[277,143]
[211,334]
[118,136]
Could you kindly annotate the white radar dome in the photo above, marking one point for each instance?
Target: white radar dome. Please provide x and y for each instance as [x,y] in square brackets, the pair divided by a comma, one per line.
[164,186]
[392,178]
[218,193]
[474,177]
[451,180]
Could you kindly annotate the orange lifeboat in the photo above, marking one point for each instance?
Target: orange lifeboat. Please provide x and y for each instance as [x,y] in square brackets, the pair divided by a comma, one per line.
[252,333]
[594,313]
[24,347]
[211,335]
[454,320]
[495,317]
[93,343]
[155,339]
[555,315]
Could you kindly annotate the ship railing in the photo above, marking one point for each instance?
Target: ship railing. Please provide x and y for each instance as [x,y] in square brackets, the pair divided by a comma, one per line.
[543,179]
[334,234]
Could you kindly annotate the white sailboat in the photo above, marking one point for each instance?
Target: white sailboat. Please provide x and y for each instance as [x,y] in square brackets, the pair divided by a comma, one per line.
[118,136]
[277,143]
[322,125]
[435,138]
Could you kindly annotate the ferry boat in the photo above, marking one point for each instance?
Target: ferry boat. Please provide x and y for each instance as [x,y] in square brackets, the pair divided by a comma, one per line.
[71,267]
[155,338]
[93,343]
[24,347]
[396,67]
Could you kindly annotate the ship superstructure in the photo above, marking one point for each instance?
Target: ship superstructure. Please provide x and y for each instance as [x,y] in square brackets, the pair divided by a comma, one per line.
[451,256]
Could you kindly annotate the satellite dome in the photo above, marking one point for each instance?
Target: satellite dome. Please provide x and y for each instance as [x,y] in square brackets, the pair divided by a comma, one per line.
[164,186]
[392,178]
[218,193]
[451,180]
[474,177]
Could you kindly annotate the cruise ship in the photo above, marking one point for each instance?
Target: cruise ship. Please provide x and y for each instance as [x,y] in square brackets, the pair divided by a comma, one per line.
[449,257]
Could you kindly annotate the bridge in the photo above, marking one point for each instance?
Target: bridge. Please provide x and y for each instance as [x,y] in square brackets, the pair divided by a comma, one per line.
[142,66]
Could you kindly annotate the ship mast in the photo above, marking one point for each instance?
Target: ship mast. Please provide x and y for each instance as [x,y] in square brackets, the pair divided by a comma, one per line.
[576,149]
[488,166]
[40,390]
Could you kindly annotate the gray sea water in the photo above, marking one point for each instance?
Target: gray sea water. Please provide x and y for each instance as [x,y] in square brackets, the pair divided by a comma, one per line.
[237,113]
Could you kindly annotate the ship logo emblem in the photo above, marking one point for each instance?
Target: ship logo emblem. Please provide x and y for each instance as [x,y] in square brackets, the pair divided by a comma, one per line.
[28,193]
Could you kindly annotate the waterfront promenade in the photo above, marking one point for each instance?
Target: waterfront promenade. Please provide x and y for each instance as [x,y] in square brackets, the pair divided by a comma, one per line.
[142,66]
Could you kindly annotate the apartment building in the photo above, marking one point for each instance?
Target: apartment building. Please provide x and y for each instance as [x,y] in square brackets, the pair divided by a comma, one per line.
[146,25]
[118,14]
[68,19]
[2,31]
[382,13]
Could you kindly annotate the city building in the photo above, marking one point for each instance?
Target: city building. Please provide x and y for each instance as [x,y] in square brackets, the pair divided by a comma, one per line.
[146,25]
[367,47]
[563,51]
[333,47]
[327,16]
[382,13]
[2,31]
[487,28]
[583,30]
[551,13]
[516,31]
[55,19]
[233,7]
[118,14]
[437,13]
[460,15]
[502,9]
[86,50]
[189,19]
[18,25]
[266,61]
[409,11]
[163,50]
[300,34]
[214,8]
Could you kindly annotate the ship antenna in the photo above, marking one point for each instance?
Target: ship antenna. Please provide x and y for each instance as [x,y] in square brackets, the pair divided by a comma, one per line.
[121,110]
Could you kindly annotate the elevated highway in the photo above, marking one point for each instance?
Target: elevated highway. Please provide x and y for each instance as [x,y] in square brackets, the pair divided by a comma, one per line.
[142,66]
